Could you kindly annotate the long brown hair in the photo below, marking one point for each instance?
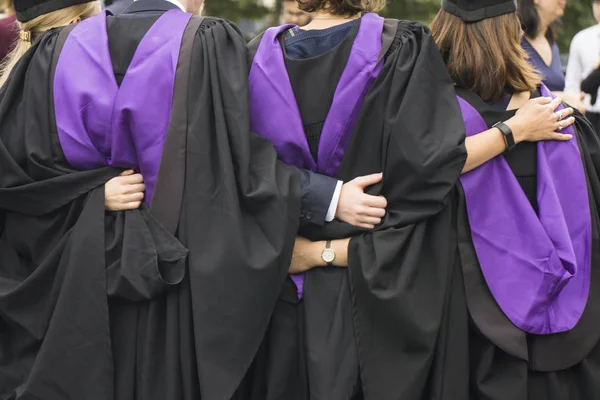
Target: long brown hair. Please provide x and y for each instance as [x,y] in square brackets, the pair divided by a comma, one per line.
[485,57]
[342,7]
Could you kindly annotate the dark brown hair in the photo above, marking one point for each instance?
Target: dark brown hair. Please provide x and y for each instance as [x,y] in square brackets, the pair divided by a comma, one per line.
[342,7]
[485,57]
[530,21]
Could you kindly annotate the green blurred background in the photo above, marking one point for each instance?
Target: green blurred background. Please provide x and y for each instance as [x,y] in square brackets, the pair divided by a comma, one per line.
[255,15]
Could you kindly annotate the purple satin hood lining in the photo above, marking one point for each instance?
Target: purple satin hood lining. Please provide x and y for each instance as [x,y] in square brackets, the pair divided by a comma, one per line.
[100,123]
[536,266]
[275,114]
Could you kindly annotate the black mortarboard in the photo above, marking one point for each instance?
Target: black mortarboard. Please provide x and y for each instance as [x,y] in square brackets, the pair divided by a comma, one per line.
[27,10]
[476,10]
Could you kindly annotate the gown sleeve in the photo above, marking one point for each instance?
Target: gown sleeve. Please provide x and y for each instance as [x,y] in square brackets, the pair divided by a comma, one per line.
[243,207]
[401,273]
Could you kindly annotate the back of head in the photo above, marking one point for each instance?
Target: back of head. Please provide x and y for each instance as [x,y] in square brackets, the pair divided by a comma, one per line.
[483,53]
[342,7]
[33,22]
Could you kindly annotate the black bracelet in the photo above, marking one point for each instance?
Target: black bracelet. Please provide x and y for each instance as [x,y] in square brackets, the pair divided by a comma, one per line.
[509,138]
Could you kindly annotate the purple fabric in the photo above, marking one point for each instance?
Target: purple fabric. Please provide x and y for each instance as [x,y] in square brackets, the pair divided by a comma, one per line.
[536,266]
[275,114]
[100,123]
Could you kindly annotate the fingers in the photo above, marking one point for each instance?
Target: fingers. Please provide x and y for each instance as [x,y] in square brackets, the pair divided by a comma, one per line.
[375,212]
[565,123]
[131,198]
[368,180]
[561,137]
[131,179]
[371,221]
[127,173]
[375,201]
[134,188]
[562,114]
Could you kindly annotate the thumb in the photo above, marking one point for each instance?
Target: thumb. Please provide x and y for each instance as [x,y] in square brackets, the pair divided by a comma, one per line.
[368,180]
[127,173]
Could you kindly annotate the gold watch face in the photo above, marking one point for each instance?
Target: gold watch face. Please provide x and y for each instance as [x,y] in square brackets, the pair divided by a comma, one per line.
[328,255]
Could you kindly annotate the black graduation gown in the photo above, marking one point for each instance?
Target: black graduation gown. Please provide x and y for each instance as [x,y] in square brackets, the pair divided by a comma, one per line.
[84,316]
[505,362]
[393,324]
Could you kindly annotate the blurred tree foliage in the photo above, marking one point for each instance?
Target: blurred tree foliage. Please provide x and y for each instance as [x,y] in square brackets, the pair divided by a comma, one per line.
[234,10]
[578,14]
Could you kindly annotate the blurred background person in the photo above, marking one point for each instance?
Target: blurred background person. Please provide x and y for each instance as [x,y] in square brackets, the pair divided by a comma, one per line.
[9,30]
[591,86]
[539,41]
[584,58]
[292,14]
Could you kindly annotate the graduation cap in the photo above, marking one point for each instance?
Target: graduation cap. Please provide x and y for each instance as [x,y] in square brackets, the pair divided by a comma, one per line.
[476,10]
[27,10]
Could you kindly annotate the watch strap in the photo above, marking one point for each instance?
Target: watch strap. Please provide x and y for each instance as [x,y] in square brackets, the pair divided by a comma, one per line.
[509,138]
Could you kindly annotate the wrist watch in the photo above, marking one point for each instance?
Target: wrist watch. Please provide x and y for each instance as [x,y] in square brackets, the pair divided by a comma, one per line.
[507,133]
[328,254]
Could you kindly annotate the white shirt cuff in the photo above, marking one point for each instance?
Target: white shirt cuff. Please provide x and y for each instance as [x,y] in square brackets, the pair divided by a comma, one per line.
[334,202]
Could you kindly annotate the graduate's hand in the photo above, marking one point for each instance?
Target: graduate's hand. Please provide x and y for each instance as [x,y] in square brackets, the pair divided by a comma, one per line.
[537,120]
[125,192]
[306,256]
[357,208]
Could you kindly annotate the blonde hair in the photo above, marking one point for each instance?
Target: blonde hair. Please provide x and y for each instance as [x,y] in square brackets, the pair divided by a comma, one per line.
[7,5]
[41,24]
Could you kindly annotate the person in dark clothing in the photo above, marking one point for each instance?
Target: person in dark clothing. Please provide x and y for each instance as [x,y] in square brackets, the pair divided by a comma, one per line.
[591,84]
[538,18]
[355,306]
[527,218]
[369,315]
[172,300]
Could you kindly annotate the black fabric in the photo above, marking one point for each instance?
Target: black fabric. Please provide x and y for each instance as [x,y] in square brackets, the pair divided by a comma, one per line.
[63,258]
[506,363]
[311,81]
[591,84]
[27,10]
[155,7]
[476,10]
[88,309]
[594,119]
[392,325]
